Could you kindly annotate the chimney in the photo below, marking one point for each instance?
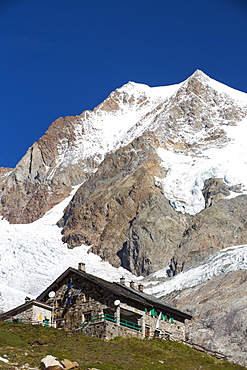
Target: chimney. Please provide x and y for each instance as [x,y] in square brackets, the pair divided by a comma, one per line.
[81,266]
[140,287]
[122,281]
[132,284]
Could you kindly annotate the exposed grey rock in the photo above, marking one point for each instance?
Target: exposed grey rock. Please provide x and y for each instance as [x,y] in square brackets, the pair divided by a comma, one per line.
[214,189]
[219,226]
[121,212]
[152,236]
[219,310]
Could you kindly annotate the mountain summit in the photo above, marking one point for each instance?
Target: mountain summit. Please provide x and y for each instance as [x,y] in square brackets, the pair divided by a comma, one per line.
[187,117]
[152,163]
[152,185]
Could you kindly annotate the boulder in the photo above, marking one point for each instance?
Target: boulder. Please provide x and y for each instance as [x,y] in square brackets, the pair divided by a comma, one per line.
[69,365]
[50,363]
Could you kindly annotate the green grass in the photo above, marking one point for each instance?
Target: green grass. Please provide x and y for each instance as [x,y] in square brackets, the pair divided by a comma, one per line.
[23,343]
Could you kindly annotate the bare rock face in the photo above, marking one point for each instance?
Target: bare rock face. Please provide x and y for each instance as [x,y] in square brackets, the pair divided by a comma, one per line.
[152,235]
[38,182]
[214,189]
[219,310]
[219,226]
[123,214]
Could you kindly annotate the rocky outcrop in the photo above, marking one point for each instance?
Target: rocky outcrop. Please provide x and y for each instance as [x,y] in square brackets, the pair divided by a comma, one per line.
[38,182]
[152,235]
[219,310]
[122,214]
[213,190]
[219,226]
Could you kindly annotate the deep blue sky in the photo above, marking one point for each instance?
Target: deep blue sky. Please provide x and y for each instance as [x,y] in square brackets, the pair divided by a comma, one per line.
[60,57]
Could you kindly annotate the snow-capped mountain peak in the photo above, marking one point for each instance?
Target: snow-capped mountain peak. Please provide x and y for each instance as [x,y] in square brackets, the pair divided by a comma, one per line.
[161,185]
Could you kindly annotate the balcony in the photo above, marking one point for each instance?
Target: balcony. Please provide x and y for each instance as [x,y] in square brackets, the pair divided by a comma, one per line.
[108,317]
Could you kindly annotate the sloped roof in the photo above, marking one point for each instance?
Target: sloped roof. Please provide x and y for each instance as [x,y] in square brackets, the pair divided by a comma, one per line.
[122,291]
[23,307]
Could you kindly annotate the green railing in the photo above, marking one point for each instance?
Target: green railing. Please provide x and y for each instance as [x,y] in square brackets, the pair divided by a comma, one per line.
[112,318]
[108,317]
[130,324]
[93,319]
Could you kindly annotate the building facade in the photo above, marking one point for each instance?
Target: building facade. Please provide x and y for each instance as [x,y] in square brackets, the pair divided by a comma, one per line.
[31,312]
[85,303]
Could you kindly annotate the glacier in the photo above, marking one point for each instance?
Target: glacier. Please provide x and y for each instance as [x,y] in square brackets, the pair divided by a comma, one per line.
[33,255]
[186,174]
[227,260]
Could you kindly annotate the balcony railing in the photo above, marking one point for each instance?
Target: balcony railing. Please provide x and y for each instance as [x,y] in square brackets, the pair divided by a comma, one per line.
[112,318]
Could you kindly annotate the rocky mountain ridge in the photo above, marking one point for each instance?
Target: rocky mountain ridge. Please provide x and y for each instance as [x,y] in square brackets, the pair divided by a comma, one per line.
[71,148]
[161,184]
[123,209]
[184,117]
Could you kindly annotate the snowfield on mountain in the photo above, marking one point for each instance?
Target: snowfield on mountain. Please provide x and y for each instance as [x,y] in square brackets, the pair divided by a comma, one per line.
[150,185]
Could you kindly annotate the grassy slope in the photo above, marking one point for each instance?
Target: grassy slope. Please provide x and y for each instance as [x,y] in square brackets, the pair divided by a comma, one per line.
[24,344]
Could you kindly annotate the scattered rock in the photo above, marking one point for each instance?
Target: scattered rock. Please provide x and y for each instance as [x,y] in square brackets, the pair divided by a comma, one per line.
[69,365]
[4,359]
[50,363]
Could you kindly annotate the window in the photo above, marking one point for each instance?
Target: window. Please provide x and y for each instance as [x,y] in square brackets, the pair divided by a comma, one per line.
[156,333]
[58,303]
[86,316]
[147,331]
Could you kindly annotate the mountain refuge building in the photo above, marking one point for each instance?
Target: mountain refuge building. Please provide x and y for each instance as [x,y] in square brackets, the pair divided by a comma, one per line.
[81,302]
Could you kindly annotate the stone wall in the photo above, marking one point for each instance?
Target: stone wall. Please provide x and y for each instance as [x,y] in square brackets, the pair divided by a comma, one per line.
[167,330]
[108,330]
[78,299]
[83,298]
[33,314]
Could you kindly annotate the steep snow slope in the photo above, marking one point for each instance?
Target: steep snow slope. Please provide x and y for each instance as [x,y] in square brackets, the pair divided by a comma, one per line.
[187,173]
[106,128]
[127,113]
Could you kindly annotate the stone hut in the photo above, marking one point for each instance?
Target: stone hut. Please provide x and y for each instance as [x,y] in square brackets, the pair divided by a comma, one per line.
[99,308]
[31,312]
